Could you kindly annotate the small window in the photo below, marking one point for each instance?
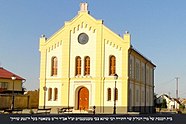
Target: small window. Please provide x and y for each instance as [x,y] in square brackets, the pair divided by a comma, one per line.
[116,94]
[87,65]
[3,85]
[137,96]
[112,65]
[49,94]
[108,94]
[55,94]
[54,66]
[78,65]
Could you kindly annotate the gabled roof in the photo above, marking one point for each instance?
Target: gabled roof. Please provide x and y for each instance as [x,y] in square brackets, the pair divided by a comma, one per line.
[83,17]
[171,99]
[177,101]
[163,96]
[5,74]
[184,102]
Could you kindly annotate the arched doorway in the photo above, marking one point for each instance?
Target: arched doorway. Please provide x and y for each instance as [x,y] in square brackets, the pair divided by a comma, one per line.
[83,98]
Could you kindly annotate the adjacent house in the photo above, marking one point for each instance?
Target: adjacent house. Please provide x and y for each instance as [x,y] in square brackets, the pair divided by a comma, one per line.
[172,103]
[183,101]
[10,82]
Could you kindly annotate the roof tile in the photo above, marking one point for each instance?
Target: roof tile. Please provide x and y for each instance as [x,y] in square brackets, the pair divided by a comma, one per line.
[8,75]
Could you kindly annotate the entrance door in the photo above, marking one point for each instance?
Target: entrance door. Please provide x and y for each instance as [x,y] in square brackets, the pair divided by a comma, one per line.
[83,99]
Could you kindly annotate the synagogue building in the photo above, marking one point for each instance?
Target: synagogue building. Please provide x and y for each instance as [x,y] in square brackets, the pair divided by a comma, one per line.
[85,65]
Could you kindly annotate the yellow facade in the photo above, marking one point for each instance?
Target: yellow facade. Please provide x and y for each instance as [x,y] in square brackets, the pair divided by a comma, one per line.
[17,84]
[102,43]
[141,82]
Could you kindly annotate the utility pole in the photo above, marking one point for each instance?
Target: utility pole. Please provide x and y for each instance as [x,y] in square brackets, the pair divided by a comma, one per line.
[177,78]
[169,94]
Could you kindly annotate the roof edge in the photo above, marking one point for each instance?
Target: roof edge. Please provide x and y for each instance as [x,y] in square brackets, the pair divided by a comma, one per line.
[133,49]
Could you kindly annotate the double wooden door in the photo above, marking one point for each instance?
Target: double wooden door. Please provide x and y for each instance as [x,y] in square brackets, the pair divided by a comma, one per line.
[83,99]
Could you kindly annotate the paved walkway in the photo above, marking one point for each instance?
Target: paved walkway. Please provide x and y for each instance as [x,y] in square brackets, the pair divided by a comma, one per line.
[53,111]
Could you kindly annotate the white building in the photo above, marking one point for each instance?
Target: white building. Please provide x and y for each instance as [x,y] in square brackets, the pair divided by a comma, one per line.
[172,103]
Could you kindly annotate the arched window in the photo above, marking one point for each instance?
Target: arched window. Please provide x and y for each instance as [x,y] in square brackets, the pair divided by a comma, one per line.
[112,65]
[116,94]
[49,94]
[55,94]
[87,65]
[109,94]
[78,65]
[54,66]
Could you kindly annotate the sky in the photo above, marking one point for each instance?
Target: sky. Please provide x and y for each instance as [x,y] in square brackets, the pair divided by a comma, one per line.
[157,28]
